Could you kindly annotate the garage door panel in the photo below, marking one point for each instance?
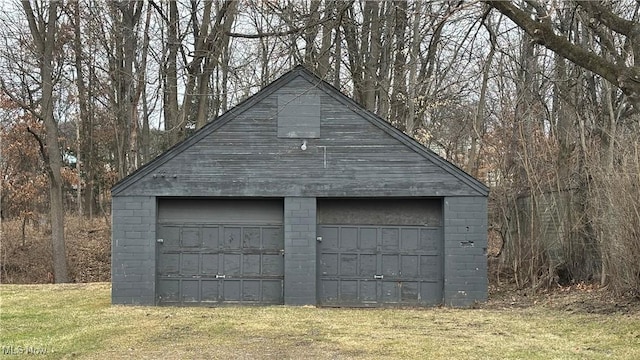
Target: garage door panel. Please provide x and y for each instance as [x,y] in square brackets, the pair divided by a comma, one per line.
[349,291]
[409,291]
[232,290]
[169,264]
[190,237]
[368,265]
[251,290]
[389,266]
[329,236]
[430,239]
[190,291]
[410,239]
[251,238]
[390,293]
[328,291]
[272,238]
[251,265]
[272,265]
[232,237]
[368,239]
[349,238]
[429,292]
[231,265]
[170,235]
[272,291]
[169,290]
[211,237]
[329,264]
[368,291]
[209,262]
[390,239]
[189,264]
[209,290]
[349,264]
[430,267]
[410,266]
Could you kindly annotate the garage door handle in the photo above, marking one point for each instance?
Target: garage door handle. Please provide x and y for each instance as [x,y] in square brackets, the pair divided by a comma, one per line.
[160,241]
[378,277]
[221,276]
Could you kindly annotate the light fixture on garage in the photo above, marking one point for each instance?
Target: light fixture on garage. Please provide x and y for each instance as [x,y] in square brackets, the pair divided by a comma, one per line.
[303,147]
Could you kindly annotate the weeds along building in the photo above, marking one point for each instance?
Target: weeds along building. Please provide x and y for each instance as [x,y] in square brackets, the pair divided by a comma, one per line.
[299,196]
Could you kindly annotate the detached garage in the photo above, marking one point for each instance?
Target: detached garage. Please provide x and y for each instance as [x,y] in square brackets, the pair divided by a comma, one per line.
[299,196]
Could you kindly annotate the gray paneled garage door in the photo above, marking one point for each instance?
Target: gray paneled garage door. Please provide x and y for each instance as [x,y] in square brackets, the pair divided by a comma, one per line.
[220,251]
[375,253]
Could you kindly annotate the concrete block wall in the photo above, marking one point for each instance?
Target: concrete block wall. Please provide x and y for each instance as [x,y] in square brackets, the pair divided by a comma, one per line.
[133,255]
[465,250]
[299,251]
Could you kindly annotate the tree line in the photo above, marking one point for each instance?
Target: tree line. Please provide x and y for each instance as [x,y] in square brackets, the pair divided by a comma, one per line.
[538,99]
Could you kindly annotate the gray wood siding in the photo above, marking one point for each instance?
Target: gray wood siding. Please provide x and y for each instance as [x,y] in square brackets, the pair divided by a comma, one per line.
[298,116]
[353,157]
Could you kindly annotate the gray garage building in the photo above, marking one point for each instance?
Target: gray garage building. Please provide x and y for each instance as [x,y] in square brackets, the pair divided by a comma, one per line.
[299,196]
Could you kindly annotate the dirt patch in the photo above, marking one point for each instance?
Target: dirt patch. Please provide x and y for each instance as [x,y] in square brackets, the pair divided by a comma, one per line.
[27,259]
[578,298]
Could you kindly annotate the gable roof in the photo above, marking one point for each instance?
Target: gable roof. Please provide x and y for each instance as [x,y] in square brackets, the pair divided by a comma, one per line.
[300,71]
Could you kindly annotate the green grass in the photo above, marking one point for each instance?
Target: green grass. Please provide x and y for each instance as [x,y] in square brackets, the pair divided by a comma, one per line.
[78,321]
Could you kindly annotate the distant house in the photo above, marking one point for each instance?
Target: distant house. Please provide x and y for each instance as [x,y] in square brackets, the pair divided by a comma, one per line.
[299,196]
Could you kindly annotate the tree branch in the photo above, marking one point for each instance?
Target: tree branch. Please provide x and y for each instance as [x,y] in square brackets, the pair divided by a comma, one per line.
[43,152]
[288,32]
[626,78]
[609,19]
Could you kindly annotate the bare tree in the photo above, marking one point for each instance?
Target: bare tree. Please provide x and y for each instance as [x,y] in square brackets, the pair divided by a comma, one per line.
[539,26]
[43,27]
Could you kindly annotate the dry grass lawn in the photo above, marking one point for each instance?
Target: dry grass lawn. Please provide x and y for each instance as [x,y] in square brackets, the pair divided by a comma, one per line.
[78,321]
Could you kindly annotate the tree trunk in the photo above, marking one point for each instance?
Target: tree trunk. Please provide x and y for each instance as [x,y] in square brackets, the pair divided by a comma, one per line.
[82,121]
[214,45]
[43,33]
[398,101]
[473,166]
[410,121]
[171,125]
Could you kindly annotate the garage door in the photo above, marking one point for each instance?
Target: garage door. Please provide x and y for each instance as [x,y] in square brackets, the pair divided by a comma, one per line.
[380,253]
[220,251]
